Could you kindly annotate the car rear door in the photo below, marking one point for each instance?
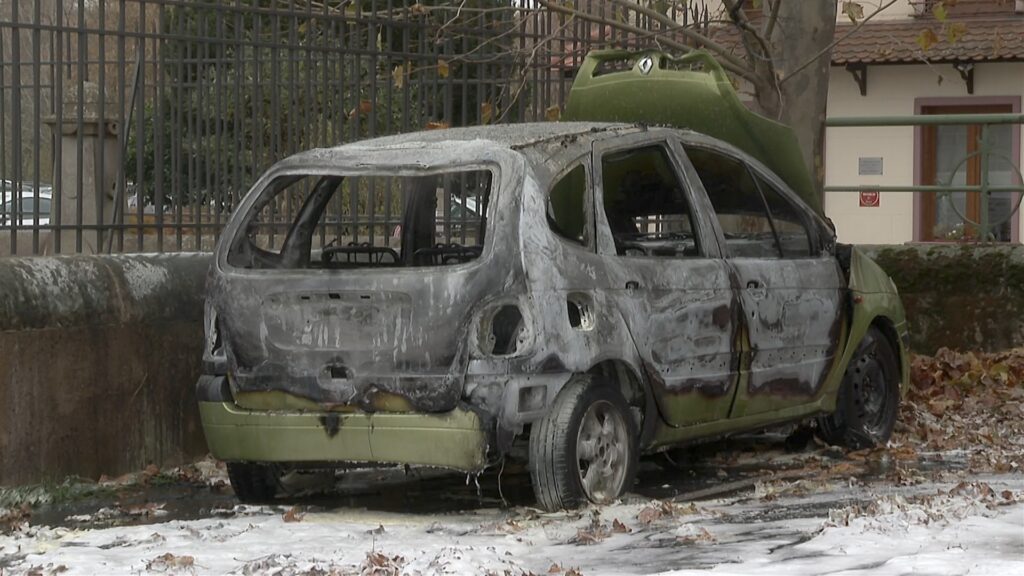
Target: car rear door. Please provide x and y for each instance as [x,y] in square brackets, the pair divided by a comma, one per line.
[790,287]
[667,279]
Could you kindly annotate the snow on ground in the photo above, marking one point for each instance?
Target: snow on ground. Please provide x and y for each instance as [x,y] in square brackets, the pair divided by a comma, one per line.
[974,526]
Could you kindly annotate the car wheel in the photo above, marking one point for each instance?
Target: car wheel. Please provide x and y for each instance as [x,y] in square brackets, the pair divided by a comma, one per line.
[585,448]
[254,483]
[869,396]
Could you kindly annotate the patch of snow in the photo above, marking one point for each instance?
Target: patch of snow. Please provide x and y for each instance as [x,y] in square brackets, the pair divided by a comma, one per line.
[143,278]
[971,528]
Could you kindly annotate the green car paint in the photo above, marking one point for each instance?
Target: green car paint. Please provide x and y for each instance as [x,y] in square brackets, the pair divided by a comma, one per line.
[453,439]
[711,106]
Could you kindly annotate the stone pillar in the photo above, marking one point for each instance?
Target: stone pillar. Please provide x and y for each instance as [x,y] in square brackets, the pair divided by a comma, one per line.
[97,168]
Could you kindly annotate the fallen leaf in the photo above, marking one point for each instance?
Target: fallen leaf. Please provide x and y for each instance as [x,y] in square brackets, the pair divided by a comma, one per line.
[293,515]
[169,561]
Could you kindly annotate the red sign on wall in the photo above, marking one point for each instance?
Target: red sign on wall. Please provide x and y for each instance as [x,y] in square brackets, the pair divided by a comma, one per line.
[869,198]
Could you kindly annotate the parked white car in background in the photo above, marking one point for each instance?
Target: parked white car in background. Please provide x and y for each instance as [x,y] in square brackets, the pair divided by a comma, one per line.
[29,206]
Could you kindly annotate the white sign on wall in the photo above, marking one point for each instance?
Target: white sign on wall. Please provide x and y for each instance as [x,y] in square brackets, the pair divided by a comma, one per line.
[869,166]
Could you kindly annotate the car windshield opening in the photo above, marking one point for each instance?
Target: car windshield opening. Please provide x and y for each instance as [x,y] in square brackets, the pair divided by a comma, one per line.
[332,221]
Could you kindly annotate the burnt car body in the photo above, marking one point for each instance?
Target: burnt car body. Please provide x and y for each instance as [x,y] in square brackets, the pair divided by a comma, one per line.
[621,289]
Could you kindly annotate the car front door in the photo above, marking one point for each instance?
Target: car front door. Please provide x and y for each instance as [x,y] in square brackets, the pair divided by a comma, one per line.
[791,289]
[669,283]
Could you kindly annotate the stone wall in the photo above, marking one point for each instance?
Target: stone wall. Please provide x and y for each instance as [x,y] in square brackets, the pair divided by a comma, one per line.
[99,357]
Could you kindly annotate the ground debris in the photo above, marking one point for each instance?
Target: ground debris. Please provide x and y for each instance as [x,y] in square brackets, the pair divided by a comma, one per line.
[14,518]
[48,570]
[380,564]
[660,509]
[593,533]
[894,513]
[692,534]
[295,514]
[168,562]
[968,402]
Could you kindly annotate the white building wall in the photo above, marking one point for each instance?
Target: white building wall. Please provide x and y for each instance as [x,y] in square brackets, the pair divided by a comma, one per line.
[892,90]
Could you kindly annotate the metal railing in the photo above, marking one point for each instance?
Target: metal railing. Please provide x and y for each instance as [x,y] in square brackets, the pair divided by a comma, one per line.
[945,191]
[140,123]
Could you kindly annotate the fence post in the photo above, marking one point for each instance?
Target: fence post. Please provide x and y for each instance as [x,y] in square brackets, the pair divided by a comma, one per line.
[79,130]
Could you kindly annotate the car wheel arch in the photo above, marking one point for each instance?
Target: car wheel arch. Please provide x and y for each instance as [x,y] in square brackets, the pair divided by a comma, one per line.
[634,388]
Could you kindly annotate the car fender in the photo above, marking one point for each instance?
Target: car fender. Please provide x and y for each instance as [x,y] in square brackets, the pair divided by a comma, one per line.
[872,300]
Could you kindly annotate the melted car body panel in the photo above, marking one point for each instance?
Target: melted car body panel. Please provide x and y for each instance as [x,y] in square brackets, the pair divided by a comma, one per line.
[487,334]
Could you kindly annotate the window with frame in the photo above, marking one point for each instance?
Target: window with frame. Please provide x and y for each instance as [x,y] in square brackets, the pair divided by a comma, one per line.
[738,204]
[646,206]
[567,207]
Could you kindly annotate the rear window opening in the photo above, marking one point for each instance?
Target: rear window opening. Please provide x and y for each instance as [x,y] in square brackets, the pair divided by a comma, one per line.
[365,221]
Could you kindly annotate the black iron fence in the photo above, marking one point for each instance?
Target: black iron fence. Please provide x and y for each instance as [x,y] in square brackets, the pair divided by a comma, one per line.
[137,125]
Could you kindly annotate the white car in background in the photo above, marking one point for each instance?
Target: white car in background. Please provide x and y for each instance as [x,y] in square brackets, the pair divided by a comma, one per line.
[30,206]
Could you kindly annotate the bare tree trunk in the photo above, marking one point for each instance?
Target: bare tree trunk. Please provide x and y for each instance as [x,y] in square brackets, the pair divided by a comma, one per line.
[804,29]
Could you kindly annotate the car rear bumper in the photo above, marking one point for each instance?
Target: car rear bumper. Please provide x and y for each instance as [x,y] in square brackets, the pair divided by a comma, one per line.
[454,439]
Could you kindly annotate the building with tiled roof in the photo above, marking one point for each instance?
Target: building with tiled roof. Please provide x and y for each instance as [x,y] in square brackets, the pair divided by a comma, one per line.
[919,58]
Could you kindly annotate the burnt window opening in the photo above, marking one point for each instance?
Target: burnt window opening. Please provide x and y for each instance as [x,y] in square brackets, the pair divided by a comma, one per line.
[365,221]
[738,204]
[790,225]
[567,211]
[645,204]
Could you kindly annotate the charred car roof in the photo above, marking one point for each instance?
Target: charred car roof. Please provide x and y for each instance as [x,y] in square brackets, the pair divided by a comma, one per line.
[501,136]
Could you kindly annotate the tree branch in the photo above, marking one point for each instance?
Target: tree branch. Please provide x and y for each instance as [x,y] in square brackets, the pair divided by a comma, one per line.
[708,43]
[773,17]
[837,41]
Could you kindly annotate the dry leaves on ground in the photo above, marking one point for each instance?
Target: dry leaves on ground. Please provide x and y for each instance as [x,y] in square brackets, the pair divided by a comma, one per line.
[168,562]
[378,564]
[972,402]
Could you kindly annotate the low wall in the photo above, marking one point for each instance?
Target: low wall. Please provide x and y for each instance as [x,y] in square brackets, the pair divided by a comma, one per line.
[959,296]
[98,360]
[99,354]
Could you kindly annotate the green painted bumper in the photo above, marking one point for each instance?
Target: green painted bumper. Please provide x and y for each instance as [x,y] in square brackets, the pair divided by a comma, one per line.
[453,439]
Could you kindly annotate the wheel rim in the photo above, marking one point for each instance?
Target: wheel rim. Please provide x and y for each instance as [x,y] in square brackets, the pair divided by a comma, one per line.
[870,387]
[602,452]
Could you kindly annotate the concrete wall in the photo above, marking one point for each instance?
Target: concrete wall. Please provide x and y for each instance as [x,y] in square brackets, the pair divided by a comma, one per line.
[98,360]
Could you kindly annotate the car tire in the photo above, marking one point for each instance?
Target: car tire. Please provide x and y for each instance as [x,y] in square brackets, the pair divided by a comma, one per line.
[585,448]
[254,483]
[869,397]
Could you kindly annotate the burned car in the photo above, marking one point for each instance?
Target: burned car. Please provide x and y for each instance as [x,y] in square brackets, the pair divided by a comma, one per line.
[592,291]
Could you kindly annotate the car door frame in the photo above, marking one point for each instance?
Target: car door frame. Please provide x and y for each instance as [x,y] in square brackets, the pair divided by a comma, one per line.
[749,403]
[687,404]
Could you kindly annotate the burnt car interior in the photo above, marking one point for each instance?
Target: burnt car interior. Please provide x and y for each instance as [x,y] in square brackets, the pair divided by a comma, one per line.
[358,221]
[645,204]
[757,221]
